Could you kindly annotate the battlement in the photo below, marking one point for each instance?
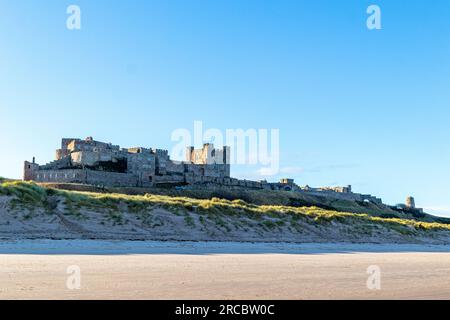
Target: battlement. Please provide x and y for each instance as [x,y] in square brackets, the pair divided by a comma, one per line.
[208,155]
[94,162]
[139,166]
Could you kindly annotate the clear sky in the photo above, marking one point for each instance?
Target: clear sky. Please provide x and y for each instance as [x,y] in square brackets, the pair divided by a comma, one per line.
[355,106]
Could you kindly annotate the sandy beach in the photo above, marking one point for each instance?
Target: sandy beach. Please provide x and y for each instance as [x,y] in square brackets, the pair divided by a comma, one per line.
[212,270]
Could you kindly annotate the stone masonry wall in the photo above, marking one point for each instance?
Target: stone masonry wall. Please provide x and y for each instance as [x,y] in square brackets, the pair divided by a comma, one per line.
[111,179]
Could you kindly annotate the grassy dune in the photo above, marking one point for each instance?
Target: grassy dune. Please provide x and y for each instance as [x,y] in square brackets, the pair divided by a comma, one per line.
[258,197]
[31,196]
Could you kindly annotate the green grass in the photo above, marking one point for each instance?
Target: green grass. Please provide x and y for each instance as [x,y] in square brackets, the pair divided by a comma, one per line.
[189,220]
[259,197]
[31,195]
[26,195]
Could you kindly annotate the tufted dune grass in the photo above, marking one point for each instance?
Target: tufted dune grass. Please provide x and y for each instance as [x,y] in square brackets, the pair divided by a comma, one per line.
[31,195]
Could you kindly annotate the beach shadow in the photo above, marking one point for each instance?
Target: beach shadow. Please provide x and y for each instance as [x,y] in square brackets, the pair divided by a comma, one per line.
[100,247]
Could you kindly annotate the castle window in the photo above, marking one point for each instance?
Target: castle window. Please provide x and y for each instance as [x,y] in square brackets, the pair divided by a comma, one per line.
[29,167]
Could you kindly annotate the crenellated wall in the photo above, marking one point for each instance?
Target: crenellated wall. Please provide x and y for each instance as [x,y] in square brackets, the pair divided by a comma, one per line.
[98,163]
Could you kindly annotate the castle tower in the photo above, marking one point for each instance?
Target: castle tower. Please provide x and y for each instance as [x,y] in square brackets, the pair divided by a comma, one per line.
[190,154]
[410,203]
[226,154]
[209,153]
[29,169]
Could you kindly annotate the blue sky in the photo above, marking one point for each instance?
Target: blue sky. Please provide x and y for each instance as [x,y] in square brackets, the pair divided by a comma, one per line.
[355,106]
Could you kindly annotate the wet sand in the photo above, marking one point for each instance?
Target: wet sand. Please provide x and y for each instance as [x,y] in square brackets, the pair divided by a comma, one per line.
[190,270]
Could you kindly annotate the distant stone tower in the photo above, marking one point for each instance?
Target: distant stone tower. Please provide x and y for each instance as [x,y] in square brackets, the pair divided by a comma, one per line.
[410,203]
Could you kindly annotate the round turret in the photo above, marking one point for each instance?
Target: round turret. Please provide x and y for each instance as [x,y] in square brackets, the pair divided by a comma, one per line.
[410,203]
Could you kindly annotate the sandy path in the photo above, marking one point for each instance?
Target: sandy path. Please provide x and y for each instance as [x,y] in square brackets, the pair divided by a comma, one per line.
[202,271]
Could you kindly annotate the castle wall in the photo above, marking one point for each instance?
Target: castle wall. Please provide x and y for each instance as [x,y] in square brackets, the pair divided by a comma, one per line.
[170,179]
[61,153]
[208,155]
[141,162]
[216,170]
[29,170]
[98,163]
[344,195]
[162,159]
[90,145]
[113,179]
[65,176]
[175,168]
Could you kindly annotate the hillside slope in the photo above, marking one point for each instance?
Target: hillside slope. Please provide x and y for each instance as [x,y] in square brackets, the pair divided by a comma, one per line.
[31,211]
[261,197]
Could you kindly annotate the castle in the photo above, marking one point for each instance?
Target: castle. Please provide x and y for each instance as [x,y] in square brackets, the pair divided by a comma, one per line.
[104,164]
[98,163]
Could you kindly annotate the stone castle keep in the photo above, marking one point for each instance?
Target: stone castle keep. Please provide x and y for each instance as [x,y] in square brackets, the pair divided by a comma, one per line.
[98,163]
[104,164]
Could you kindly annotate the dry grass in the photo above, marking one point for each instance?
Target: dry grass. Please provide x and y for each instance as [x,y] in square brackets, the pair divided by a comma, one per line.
[31,195]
